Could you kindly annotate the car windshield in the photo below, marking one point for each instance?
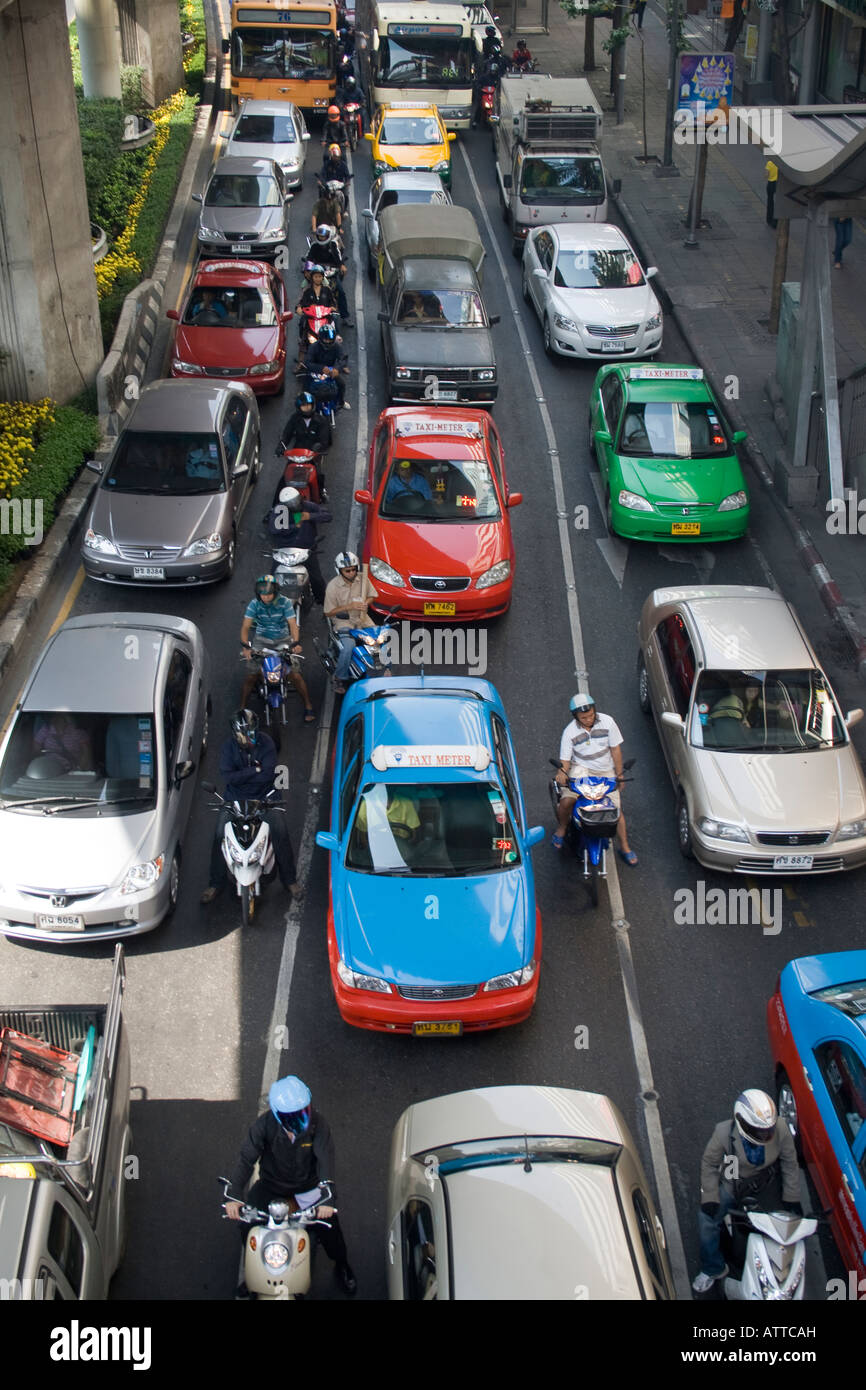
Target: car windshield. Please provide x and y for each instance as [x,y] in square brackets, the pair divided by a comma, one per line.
[562,179]
[224,306]
[243,191]
[537,1148]
[443,829]
[589,269]
[265,130]
[773,711]
[60,763]
[672,429]
[266,53]
[423,60]
[410,130]
[440,309]
[440,490]
[157,461]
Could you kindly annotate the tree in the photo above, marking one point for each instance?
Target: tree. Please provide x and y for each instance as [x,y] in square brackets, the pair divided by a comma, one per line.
[598,9]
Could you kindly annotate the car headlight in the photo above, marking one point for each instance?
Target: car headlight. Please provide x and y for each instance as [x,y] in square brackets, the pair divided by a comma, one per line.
[721,830]
[441,165]
[852,831]
[355,981]
[263,368]
[496,575]
[633,502]
[275,234]
[654,322]
[560,321]
[384,573]
[512,979]
[406,373]
[275,1255]
[211,233]
[484,374]
[205,545]
[734,501]
[188,368]
[94,541]
[143,875]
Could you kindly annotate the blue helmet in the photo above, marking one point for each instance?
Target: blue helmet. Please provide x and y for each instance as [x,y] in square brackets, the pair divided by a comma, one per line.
[581,701]
[290,1102]
[327,333]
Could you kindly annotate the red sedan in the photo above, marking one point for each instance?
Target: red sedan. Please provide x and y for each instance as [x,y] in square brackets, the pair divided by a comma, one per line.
[233,325]
[438,543]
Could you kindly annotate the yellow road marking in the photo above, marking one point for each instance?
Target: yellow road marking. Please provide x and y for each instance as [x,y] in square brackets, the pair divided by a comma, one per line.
[62,615]
[802,920]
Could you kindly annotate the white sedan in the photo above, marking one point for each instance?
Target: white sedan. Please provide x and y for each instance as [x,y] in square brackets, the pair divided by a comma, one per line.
[591,293]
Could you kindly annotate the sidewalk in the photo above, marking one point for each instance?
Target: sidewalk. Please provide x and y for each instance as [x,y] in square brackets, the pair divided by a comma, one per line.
[719,294]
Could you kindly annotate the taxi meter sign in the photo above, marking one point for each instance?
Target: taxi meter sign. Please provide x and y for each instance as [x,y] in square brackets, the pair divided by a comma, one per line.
[666,374]
[472,756]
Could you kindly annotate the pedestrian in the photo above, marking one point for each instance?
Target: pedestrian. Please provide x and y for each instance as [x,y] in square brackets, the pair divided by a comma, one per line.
[772,180]
[638,8]
[844,232]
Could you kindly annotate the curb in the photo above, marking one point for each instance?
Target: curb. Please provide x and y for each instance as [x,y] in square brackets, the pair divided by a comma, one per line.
[53,551]
[810,557]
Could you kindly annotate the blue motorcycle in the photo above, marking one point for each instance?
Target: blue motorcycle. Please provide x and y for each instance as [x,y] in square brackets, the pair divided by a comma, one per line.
[593,823]
[371,649]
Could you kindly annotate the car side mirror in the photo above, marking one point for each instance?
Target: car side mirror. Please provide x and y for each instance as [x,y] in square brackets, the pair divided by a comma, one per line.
[368,135]
[289,198]
[674,720]
[648,274]
[506,180]
[183,770]
[197,198]
[364,496]
[540,272]
[535,835]
[207,786]
[493,318]
[853,717]
[452,135]
[172,314]
[515,499]
[494,120]
[368,212]
[240,469]
[325,840]
[94,465]
[306,135]
[739,436]
[603,437]
[286,315]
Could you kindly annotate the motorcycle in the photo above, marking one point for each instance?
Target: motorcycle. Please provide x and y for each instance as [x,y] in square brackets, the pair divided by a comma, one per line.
[335,188]
[766,1250]
[321,388]
[354,122]
[488,103]
[593,823]
[310,320]
[246,845]
[277,1252]
[276,664]
[292,576]
[368,658]
[301,472]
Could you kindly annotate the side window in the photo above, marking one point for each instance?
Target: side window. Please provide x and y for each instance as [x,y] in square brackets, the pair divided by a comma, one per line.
[66,1246]
[678,658]
[506,767]
[374,196]
[845,1078]
[174,704]
[496,456]
[380,458]
[611,400]
[419,1253]
[648,1238]
[233,428]
[350,767]
[544,247]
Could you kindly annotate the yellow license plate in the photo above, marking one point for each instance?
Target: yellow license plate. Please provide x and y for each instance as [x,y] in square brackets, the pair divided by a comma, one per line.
[425,1030]
[440,610]
[685,528]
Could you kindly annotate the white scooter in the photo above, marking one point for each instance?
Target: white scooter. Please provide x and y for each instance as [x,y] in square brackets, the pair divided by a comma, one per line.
[774,1259]
[292,576]
[246,846]
[278,1250]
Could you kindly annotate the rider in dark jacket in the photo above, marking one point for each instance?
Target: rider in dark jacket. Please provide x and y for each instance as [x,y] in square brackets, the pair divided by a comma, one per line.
[294,522]
[305,429]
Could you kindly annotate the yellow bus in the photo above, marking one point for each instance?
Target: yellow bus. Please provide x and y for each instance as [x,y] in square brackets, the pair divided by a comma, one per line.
[285,51]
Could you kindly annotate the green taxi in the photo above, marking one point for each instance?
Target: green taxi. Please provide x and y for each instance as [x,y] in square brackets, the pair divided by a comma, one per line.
[668,462]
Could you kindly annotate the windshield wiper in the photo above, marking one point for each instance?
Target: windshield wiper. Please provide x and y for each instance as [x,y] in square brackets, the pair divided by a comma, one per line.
[70,803]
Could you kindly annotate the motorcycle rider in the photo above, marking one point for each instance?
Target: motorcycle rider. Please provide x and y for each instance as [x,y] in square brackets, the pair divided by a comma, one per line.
[491,42]
[334,131]
[248,763]
[521,57]
[488,75]
[350,90]
[327,209]
[275,621]
[334,167]
[317,292]
[744,1153]
[590,744]
[325,359]
[305,429]
[327,252]
[349,592]
[293,522]
[293,1146]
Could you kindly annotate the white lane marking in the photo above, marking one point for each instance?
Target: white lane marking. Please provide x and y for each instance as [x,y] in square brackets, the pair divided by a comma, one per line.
[640,1049]
[279,1014]
[614,550]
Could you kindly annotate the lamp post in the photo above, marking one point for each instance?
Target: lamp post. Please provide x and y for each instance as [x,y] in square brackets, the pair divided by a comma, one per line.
[667,168]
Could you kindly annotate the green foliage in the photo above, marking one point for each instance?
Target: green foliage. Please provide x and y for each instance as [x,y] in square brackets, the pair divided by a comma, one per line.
[131,93]
[101,126]
[682,41]
[598,9]
[616,38]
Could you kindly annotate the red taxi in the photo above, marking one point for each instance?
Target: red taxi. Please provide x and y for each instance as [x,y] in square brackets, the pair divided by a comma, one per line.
[233,325]
[438,543]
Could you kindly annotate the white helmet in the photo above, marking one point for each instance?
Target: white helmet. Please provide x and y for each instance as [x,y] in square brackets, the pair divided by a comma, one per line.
[755,1116]
[290,497]
[346,560]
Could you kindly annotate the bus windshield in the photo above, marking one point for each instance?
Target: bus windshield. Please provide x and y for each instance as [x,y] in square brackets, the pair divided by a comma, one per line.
[274,52]
[430,60]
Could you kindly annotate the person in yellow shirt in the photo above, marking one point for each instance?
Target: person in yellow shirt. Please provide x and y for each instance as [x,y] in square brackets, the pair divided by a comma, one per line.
[772,180]
[402,816]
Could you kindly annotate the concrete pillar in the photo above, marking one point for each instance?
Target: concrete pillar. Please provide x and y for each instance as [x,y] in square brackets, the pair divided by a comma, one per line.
[765,44]
[99,44]
[806,89]
[50,338]
[159,47]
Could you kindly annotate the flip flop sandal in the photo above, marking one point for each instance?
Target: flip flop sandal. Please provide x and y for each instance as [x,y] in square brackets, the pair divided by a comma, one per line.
[630,858]
[556,841]
[309,716]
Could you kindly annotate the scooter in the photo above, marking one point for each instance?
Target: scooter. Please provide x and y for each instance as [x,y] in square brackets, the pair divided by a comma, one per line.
[368,658]
[323,391]
[310,319]
[593,823]
[246,846]
[354,122]
[767,1248]
[277,1251]
[291,573]
[302,472]
[335,188]
[488,100]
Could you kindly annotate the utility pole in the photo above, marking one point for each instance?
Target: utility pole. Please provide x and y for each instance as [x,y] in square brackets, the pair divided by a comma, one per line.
[667,167]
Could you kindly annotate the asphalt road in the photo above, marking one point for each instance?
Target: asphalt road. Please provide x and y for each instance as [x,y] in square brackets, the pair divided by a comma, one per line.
[200,996]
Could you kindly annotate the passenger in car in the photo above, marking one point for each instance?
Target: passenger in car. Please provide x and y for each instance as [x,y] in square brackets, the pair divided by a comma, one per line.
[60,734]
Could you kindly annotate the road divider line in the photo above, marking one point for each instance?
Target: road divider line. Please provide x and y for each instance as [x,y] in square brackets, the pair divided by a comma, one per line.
[640,1049]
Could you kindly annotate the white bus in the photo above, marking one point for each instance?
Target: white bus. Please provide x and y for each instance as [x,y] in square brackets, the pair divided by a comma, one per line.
[423,51]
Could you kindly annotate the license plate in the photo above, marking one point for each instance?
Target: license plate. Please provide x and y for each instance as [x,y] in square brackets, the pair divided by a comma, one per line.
[240,248]
[440,610]
[792,861]
[685,528]
[148,572]
[446,395]
[425,1030]
[60,921]
[614,345]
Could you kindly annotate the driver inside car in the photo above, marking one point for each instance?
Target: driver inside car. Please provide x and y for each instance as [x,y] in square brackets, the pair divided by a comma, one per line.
[405,480]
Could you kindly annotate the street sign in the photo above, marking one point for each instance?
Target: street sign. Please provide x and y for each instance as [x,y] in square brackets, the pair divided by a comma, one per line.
[706,82]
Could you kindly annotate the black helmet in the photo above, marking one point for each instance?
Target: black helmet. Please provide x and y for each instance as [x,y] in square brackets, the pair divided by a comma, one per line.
[521,43]
[305,398]
[245,727]
[490,31]
[327,333]
[349,84]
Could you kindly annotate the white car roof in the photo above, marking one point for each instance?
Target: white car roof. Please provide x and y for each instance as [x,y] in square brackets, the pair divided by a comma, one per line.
[492,1112]
[571,236]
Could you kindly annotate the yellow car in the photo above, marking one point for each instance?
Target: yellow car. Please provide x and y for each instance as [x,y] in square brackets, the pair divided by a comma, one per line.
[410,136]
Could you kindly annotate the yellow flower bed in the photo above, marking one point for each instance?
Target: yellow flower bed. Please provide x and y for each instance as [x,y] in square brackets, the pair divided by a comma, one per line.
[120,256]
[191,18]
[20,422]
